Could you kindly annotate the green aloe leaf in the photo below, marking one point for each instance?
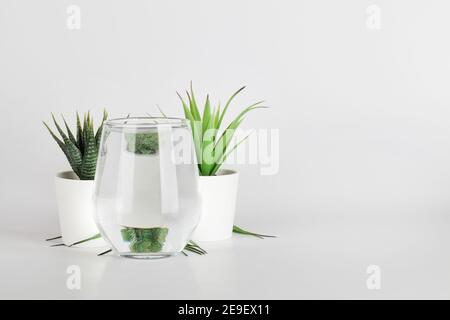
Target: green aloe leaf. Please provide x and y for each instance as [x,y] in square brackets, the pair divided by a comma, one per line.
[223,142]
[187,112]
[225,156]
[54,238]
[222,146]
[104,252]
[239,230]
[206,115]
[96,236]
[196,127]
[211,151]
[222,115]
[216,117]
[162,113]
[193,105]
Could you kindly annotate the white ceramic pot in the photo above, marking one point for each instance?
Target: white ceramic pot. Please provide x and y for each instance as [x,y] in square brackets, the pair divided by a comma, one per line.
[218,206]
[76,209]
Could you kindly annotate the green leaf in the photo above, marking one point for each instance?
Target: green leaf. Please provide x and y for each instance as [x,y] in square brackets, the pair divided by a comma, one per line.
[73,153]
[54,238]
[79,133]
[191,242]
[211,151]
[163,114]
[225,156]
[104,252]
[196,127]
[239,230]
[195,249]
[206,115]
[89,162]
[58,245]
[96,236]
[98,134]
[58,141]
[216,123]
[187,113]
[70,134]
[193,105]
[85,129]
[228,104]
[222,146]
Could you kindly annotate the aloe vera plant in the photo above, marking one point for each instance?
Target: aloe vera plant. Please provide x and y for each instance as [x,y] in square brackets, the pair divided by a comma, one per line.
[81,148]
[212,148]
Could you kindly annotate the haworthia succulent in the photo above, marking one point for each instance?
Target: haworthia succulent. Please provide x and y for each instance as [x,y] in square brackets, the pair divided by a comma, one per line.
[80,149]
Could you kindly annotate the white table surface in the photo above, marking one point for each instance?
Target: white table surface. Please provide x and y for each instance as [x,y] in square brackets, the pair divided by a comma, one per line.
[308,260]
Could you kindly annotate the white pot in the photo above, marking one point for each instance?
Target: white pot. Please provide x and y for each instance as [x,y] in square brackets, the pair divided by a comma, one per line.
[218,206]
[76,209]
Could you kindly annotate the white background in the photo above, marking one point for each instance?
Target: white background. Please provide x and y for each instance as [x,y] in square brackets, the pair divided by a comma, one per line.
[364,140]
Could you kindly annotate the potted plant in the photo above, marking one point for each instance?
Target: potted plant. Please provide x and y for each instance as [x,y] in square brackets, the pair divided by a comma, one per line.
[75,189]
[218,187]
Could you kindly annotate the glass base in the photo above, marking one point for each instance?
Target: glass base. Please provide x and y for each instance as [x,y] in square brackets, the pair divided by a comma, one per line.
[146,256]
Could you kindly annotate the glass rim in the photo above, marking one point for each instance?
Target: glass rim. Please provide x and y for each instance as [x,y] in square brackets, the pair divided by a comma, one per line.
[145,122]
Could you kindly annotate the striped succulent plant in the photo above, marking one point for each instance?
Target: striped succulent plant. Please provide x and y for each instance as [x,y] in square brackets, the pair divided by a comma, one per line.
[81,149]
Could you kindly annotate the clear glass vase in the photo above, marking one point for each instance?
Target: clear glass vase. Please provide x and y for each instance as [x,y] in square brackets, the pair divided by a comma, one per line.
[146,186]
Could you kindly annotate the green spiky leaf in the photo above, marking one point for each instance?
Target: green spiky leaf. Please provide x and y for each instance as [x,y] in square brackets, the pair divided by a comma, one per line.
[81,149]
[239,230]
[96,236]
[89,163]
[70,134]
[73,154]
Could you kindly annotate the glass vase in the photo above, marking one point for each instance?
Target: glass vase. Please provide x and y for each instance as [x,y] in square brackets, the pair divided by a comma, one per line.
[146,186]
